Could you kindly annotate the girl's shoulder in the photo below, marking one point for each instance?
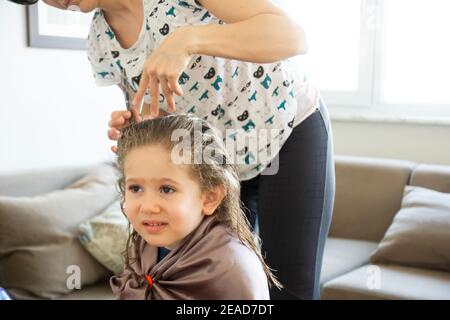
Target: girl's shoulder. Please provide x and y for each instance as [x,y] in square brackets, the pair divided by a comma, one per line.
[226,242]
[244,272]
[234,252]
[232,266]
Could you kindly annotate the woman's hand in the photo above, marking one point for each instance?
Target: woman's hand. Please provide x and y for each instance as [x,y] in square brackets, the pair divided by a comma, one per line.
[162,70]
[120,120]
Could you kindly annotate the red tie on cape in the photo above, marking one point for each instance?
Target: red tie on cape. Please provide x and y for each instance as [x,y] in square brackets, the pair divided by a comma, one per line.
[149,280]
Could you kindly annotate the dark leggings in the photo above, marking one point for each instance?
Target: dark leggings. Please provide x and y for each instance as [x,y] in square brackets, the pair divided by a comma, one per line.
[294,207]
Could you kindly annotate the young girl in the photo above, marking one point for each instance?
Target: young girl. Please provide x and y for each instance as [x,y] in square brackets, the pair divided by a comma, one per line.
[191,208]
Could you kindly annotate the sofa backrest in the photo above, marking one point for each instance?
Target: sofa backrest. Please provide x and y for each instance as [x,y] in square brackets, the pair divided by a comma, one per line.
[36,182]
[368,195]
[368,190]
[436,177]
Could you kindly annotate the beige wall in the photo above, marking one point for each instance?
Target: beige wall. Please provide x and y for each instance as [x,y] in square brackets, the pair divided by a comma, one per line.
[52,113]
[416,142]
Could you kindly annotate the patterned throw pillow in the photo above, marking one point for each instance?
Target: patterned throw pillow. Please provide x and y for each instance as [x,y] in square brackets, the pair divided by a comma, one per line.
[105,237]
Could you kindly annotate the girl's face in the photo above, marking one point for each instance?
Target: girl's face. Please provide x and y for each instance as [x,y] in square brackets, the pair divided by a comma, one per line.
[84,5]
[162,201]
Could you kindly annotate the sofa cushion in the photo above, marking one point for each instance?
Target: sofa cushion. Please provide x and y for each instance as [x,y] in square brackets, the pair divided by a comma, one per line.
[100,291]
[38,236]
[343,255]
[105,237]
[368,195]
[420,233]
[394,282]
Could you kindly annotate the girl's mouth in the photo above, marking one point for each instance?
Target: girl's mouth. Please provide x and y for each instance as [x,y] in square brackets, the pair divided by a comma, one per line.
[154,226]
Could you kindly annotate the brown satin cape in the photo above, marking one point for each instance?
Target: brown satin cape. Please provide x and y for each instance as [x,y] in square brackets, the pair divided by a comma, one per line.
[210,263]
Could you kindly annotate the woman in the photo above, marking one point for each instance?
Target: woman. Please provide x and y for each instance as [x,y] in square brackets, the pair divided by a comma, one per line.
[227,64]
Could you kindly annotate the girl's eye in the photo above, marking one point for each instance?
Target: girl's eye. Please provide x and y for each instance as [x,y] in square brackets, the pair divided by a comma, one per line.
[166,189]
[134,188]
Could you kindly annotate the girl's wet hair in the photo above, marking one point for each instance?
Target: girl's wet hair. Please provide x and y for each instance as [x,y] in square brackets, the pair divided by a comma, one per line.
[217,170]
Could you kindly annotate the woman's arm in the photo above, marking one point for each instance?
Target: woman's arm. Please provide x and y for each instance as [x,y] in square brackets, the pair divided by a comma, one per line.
[254,31]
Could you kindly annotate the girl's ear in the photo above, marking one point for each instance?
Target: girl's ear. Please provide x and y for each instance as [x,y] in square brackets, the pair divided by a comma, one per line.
[212,199]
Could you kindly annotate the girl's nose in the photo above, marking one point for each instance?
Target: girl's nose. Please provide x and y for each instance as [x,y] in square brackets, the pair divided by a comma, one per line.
[150,205]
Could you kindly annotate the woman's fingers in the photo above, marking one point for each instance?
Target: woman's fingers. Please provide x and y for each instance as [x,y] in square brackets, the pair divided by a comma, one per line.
[147,117]
[152,80]
[143,85]
[154,91]
[119,119]
[114,149]
[136,115]
[174,85]
[168,94]
[114,134]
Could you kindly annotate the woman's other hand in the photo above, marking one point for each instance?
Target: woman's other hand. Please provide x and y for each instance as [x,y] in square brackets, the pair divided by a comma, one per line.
[120,120]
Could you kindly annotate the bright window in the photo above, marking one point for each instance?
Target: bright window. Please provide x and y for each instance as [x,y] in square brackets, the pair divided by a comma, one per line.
[415,46]
[333,34]
[388,56]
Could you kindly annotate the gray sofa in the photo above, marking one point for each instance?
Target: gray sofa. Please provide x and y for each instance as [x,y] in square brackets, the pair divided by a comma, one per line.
[368,195]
